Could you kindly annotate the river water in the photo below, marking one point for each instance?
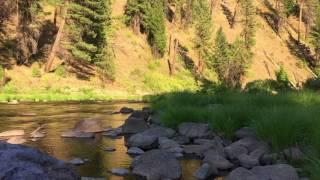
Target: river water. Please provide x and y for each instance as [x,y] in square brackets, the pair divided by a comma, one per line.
[59,117]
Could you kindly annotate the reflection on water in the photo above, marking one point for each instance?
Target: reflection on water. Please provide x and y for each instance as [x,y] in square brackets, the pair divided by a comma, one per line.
[60,117]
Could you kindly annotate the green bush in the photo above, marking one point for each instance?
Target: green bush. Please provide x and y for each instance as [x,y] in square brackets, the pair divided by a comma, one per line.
[282,78]
[313,84]
[261,86]
[60,71]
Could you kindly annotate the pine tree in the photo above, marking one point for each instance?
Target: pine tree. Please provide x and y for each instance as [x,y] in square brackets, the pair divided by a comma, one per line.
[203,32]
[316,35]
[88,24]
[248,21]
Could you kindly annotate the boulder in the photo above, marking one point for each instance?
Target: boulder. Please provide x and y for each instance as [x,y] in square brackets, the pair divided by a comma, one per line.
[197,150]
[12,133]
[217,161]
[20,163]
[126,110]
[113,133]
[76,134]
[143,115]
[248,161]
[157,165]
[159,131]
[245,132]
[194,130]
[203,172]
[135,151]
[233,151]
[134,125]
[278,171]
[249,143]
[242,174]
[141,141]
[120,171]
[268,159]
[169,145]
[89,126]
[182,140]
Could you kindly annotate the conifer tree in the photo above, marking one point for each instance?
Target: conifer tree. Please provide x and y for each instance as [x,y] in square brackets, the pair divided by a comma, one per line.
[88,24]
[203,32]
[248,21]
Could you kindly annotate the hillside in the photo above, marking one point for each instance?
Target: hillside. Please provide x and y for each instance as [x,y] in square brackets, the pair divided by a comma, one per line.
[138,72]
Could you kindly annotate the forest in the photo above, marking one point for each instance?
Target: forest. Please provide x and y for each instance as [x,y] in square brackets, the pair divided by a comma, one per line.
[239,79]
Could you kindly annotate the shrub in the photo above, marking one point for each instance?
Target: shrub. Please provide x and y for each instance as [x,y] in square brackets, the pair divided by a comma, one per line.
[36,73]
[60,71]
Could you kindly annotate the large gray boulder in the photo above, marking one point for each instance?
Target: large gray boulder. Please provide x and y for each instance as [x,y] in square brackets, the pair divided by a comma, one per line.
[141,141]
[134,125]
[194,130]
[22,163]
[157,165]
[169,145]
[271,172]
[159,132]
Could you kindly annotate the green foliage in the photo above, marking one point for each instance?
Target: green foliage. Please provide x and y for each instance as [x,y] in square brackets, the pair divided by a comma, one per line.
[88,24]
[248,21]
[260,86]
[313,84]
[60,71]
[230,61]
[36,73]
[203,29]
[151,16]
[1,74]
[290,7]
[282,77]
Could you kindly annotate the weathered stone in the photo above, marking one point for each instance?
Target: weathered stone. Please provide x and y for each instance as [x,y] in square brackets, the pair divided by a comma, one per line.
[159,132]
[248,142]
[113,133]
[12,133]
[245,132]
[135,151]
[169,145]
[242,174]
[278,171]
[20,163]
[126,110]
[76,161]
[142,141]
[217,161]
[194,130]
[234,150]
[157,165]
[134,125]
[182,140]
[16,140]
[203,172]
[120,171]
[89,126]
[76,134]
[248,161]
[197,150]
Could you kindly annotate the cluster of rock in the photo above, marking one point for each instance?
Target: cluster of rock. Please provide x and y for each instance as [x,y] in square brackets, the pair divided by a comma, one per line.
[158,149]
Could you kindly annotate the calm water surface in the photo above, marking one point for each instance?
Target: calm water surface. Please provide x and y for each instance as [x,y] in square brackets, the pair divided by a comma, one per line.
[60,117]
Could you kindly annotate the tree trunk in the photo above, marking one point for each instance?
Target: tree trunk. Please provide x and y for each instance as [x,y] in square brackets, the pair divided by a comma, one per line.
[55,45]
[55,16]
[300,20]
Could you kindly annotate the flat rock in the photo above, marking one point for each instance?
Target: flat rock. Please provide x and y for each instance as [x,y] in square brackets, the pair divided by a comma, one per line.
[126,110]
[21,163]
[194,130]
[134,125]
[135,151]
[245,132]
[197,150]
[234,150]
[277,172]
[169,145]
[76,161]
[249,143]
[182,140]
[142,141]
[248,161]
[16,140]
[203,172]
[159,131]
[76,134]
[157,165]
[242,174]
[12,133]
[217,161]
[89,126]
[120,171]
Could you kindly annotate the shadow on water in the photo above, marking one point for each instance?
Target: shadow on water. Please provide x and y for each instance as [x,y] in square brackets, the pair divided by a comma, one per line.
[59,117]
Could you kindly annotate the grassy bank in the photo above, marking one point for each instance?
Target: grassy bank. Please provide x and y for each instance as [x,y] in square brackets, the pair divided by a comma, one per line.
[284,120]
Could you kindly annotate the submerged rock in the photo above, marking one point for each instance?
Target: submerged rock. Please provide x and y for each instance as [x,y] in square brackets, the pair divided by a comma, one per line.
[12,133]
[20,163]
[120,171]
[113,133]
[194,130]
[203,172]
[126,110]
[76,134]
[157,165]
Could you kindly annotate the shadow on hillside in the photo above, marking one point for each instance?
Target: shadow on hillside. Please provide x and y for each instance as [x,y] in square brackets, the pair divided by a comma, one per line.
[301,51]
[270,17]
[229,15]
[7,49]
[83,71]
